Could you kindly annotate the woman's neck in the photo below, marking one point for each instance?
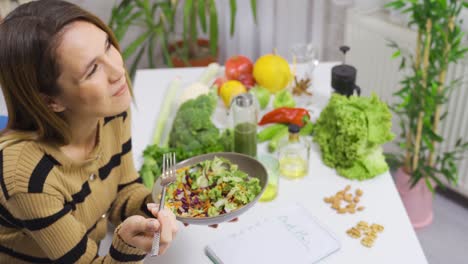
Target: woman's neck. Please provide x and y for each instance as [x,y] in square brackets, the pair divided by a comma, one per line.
[84,137]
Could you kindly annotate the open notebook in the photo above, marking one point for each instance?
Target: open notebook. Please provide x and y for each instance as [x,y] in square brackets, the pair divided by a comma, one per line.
[291,236]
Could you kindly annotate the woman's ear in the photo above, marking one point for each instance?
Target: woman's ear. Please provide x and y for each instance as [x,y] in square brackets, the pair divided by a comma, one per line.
[53,103]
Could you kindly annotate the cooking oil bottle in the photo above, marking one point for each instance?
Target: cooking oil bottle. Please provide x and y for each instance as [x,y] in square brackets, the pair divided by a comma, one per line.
[293,154]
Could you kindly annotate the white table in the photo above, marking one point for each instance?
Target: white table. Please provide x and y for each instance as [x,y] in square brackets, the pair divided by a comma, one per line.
[397,244]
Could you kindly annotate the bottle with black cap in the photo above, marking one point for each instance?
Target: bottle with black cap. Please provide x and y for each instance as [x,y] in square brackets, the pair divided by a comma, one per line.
[343,77]
[293,154]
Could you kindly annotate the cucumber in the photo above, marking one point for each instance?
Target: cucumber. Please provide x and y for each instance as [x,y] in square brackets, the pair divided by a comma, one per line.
[269,132]
[273,144]
[307,129]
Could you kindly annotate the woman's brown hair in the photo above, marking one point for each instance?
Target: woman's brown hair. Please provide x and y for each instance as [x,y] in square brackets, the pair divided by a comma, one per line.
[29,37]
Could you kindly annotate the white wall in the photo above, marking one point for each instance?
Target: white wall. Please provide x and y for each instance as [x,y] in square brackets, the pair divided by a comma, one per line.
[281,23]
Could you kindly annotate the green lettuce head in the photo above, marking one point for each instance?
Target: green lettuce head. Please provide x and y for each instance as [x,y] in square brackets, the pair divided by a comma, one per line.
[350,132]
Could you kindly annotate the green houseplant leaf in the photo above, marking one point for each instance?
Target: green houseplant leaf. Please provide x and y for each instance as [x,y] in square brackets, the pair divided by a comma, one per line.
[233,5]
[157,19]
[202,14]
[424,91]
[140,13]
[213,28]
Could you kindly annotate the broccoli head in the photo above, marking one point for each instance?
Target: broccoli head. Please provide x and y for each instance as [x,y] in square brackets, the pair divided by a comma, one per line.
[193,129]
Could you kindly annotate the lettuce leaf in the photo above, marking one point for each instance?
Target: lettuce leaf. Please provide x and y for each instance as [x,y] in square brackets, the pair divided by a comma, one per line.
[350,131]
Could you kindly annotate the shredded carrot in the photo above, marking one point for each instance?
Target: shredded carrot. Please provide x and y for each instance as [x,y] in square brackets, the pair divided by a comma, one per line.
[182,169]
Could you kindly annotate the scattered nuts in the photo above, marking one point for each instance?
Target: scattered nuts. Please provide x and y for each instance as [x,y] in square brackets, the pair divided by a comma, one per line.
[369,232]
[348,197]
[377,228]
[367,242]
[354,232]
[343,195]
[342,210]
[359,192]
[362,224]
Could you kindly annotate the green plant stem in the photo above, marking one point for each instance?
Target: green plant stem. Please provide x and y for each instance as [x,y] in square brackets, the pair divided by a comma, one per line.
[193,45]
[440,89]
[427,47]
[425,92]
[409,138]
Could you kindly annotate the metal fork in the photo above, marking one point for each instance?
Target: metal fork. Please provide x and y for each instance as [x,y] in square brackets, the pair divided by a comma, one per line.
[168,176]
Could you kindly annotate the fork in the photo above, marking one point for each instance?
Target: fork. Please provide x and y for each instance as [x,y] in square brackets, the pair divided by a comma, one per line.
[168,176]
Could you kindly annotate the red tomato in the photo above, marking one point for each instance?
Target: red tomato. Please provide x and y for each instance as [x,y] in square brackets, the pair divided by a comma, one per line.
[237,65]
[247,80]
[218,82]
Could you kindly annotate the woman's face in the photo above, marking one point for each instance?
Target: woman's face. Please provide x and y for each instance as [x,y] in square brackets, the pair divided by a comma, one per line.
[92,80]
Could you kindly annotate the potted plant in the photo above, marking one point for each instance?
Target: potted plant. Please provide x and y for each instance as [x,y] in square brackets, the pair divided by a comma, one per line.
[158,19]
[424,91]
[154,17]
[200,14]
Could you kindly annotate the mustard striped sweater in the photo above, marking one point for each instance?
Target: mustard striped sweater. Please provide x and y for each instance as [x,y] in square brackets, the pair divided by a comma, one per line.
[55,210]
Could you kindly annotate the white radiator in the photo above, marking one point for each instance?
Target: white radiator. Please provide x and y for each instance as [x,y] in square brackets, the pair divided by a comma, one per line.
[368,35]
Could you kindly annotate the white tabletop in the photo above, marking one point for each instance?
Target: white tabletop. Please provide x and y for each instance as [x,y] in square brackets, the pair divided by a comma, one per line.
[397,244]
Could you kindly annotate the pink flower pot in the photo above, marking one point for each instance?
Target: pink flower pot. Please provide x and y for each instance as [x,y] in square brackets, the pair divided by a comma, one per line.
[417,200]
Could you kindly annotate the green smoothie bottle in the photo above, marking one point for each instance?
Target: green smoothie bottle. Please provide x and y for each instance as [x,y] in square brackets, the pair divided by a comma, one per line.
[244,112]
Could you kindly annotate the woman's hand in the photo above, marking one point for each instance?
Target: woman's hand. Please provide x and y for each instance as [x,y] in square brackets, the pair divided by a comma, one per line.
[169,227]
[138,231]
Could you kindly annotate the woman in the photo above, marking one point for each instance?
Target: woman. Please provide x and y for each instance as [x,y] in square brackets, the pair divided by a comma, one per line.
[65,157]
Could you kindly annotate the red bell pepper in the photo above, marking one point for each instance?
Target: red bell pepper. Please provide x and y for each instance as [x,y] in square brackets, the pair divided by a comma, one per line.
[286,115]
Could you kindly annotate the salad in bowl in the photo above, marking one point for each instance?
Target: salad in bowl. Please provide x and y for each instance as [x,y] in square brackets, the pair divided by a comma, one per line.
[214,188]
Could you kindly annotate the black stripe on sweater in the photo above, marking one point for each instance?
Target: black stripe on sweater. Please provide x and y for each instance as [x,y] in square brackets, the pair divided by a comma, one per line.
[92,228]
[40,223]
[23,257]
[122,211]
[40,172]
[2,181]
[5,223]
[105,170]
[80,196]
[9,217]
[127,147]
[144,208]
[122,186]
[115,160]
[122,257]
[75,253]
[110,118]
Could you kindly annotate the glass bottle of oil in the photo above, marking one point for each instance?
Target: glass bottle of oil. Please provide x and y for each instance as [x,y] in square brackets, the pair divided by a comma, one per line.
[293,154]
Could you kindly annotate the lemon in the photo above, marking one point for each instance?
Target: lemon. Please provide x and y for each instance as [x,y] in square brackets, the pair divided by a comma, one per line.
[272,72]
[230,89]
